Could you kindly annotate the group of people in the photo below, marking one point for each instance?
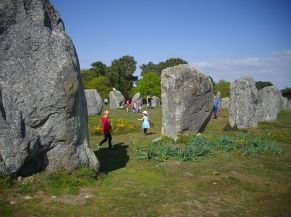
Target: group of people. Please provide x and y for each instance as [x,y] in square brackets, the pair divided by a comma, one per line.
[137,105]
[107,129]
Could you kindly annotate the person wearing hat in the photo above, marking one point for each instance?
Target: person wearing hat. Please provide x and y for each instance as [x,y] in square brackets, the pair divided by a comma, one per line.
[145,124]
[106,128]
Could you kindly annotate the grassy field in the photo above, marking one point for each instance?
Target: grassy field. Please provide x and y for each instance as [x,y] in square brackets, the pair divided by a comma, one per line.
[219,184]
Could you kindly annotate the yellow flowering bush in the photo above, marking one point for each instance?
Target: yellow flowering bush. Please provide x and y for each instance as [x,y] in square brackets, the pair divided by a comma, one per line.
[119,126]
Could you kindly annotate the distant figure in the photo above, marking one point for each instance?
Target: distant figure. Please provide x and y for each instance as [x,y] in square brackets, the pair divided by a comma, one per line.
[145,124]
[138,106]
[105,101]
[134,107]
[127,104]
[106,128]
[150,102]
[215,106]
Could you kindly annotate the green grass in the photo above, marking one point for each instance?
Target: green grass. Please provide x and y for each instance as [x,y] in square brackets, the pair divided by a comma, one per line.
[224,182]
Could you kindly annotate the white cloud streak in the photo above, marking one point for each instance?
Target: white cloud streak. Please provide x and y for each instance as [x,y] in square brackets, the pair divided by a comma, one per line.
[275,68]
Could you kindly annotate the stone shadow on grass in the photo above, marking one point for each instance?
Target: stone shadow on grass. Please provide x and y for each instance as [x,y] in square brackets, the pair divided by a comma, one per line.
[112,159]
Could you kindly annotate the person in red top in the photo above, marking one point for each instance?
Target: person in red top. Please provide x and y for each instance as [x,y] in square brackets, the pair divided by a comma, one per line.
[127,104]
[106,128]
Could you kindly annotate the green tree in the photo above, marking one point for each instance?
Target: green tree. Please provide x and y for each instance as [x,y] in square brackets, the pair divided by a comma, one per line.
[101,84]
[286,92]
[150,67]
[120,74]
[98,68]
[223,87]
[150,84]
[157,68]
[261,84]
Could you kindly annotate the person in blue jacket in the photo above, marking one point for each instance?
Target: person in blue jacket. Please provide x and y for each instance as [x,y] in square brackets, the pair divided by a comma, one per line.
[215,106]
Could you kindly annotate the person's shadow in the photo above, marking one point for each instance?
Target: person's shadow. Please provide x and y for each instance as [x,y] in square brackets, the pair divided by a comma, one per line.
[112,159]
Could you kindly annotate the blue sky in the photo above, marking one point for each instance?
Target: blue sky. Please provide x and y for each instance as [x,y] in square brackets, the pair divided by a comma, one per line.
[225,39]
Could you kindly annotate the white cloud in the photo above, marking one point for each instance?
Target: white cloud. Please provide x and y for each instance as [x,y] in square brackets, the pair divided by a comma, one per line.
[275,67]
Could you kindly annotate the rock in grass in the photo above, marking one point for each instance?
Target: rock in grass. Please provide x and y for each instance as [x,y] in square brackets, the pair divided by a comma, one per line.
[116,99]
[43,114]
[269,103]
[186,100]
[94,102]
[243,103]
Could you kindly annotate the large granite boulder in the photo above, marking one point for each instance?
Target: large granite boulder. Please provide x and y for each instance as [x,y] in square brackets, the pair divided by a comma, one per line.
[94,102]
[187,100]
[269,103]
[43,113]
[136,97]
[225,103]
[116,99]
[243,103]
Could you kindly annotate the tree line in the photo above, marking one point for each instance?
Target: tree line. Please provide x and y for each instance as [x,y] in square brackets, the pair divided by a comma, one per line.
[120,75]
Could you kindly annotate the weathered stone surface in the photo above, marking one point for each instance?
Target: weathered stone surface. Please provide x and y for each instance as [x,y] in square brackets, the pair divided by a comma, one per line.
[116,99]
[225,103]
[269,104]
[156,101]
[284,103]
[243,103]
[289,104]
[136,97]
[94,102]
[43,113]
[187,100]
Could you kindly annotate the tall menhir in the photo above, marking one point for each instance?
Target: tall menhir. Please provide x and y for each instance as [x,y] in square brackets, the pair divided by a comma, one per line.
[43,113]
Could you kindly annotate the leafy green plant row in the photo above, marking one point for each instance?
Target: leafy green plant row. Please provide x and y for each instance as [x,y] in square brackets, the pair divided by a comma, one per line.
[196,146]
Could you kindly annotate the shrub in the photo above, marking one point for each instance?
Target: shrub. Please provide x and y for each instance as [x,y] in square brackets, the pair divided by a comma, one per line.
[119,126]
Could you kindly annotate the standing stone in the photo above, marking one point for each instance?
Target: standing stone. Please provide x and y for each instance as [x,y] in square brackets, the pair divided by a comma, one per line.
[94,102]
[116,99]
[136,97]
[269,104]
[43,113]
[243,103]
[289,104]
[156,101]
[284,103]
[187,100]
[225,103]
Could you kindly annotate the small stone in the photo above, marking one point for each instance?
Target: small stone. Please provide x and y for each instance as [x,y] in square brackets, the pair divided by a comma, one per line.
[142,194]
[27,197]
[216,173]
[12,202]
[214,183]
[188,174]
[87,196]
[53,197]
[19,178]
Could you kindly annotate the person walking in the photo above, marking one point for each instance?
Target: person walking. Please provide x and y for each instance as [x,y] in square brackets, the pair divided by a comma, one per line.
[150,102]
[127,105]
[106,128]
[145,124]
[215,106]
